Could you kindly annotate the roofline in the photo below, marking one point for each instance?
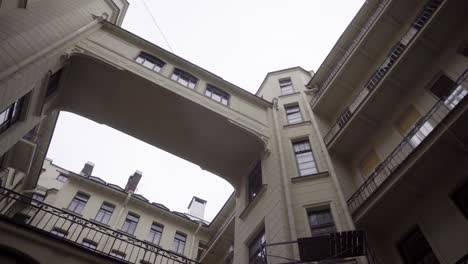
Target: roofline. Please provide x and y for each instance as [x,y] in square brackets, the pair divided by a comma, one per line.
[245,92]
[222,208]
[278,71]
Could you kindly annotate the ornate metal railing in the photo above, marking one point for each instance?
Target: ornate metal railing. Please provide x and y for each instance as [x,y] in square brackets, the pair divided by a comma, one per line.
[81,232]
[422,128]
[393,56]
[353,46]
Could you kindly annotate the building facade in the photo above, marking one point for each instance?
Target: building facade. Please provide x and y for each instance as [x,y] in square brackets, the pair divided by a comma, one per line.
[362,161]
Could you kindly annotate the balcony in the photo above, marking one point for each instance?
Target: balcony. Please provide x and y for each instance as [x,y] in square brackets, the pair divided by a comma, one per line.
[433,120]
[84,234]
[391,60]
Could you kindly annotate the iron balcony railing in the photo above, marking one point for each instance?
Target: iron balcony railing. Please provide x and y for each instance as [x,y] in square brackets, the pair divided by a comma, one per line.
[352,46]
[393,56]
[423,127]
[81,232]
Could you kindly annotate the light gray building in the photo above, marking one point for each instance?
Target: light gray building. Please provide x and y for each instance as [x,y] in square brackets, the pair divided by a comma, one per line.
[363,160]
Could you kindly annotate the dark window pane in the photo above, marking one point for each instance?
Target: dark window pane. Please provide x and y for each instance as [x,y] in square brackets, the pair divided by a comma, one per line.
[415,249]
[443,87]
[255,181]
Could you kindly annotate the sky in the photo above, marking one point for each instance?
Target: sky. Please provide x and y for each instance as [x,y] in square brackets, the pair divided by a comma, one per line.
[241,41]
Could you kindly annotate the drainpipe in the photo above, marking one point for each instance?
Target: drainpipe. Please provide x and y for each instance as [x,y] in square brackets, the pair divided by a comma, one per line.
[194,238]
[331,169]
[285,179]
[55,46]
[119,215]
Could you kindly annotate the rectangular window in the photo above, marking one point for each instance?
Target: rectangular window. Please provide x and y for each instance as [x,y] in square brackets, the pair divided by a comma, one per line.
[150,62]
[305,158]
[89,244]
[415,249]
[217,94]
[118,254]
[37,198]
[255,181]
[321,222]
[155,233]
[184,78]
[11,114]
[460,197]
[286,86]
[105,212]
[256,254]
[179,243]
[368,163]
[293,113]
[78,202]
[443,87]
[130,223]
[59,232]
[62,178]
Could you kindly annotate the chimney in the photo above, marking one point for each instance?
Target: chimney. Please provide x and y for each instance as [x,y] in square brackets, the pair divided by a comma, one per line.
[133,181]
[87,169]
[197,207]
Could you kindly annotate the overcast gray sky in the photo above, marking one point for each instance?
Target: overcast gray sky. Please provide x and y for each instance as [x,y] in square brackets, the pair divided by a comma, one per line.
[238,40]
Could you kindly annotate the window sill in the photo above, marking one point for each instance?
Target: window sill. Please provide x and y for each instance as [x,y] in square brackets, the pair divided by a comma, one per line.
[99,223]
[310,177]
[253,203]
[177,254]
[286,95]
[153,244]
[71,212]
[125,233]
[307,122]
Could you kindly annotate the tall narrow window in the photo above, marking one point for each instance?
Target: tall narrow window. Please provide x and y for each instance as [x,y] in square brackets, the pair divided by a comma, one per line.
[105,212]
[179,243]
[184,78]
[286,86]
[460,197]
[130,224]
[256,254]
[150,62]
[78,202]
[217,94]
[305,158]
[11,114]
[293,113]
[155,233]
[321,222]
[255,181]
[415,249]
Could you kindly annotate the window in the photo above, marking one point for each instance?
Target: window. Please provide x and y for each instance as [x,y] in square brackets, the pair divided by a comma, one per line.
[256,255]
[89,244]
[11,114]
[150,62]
[286,86]
[255,181]
[460,197]
[117,254]
[155,233]
[217,94]
[130,223]
[184,78]
[305,158]
[53,83]
[293,113]
[78,202]
[59,232]
[62,178]
[368,163]
[443,87]
[105,212]
[37,198]
[321,222]
[179,243]
[415,249]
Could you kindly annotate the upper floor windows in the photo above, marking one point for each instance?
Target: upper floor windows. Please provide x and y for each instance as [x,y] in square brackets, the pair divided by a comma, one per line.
[255,181]
[130,224]
[150,62]
[62,178]
[286,86]
[184,78]
[321,222]
[217,94]
[78,203]
[256,254]
[293,114]
[89,244]
[59,232]
[155,233]
[11,114]
[415,249]
[105,212]
[305,158]
[179,243]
